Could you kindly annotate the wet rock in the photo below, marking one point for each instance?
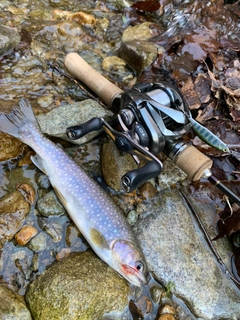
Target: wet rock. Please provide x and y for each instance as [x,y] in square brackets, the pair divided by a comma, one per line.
[55,231]
[27,192]
[35,263]
[73,237]
[23,180]
[33,63]
[57,120]
[63,254]
[10,147]
[87,156]
[12,305]
[166,317]
[156,293]
[83,18]
[170,175]
[141,307]
[13,210]
[25,235]
[43,181]
[207,213]
[57,14]
[49,205]
[71,290]
[139,54]
[15,265]
[136,50]
[115,165]
[38,243]
[183,258]
[143,31]
[113,62]
[4,4]
[147,190]
[9,38]
[132,217]
[118,71]
[167,309]
[45,101]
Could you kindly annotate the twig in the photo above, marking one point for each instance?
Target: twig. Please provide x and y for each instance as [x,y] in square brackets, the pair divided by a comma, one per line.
[225,197]
[219,259]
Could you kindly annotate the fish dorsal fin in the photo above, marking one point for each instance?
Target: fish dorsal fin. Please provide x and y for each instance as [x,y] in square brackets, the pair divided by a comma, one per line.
[98,239]
[37,160]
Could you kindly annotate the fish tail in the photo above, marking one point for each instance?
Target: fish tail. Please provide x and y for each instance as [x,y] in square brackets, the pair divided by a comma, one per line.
[16,122]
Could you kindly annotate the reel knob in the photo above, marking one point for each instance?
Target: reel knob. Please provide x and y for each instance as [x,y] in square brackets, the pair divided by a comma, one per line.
[76,132]
[135,178]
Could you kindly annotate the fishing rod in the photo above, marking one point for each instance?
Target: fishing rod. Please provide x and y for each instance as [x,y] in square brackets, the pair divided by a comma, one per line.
[153,117]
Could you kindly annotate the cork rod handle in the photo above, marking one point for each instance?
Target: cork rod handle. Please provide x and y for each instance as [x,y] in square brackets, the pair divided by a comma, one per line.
[81,70]
[193,162]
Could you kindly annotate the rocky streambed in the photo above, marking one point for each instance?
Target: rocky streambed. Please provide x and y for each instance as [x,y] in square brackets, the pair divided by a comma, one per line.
[47,270]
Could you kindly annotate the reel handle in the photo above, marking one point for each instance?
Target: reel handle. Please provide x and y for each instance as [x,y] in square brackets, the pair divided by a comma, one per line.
[80,69]
[135,178]
[76,132]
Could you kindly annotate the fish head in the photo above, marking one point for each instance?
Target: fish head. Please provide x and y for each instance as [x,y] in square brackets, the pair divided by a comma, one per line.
[129,261]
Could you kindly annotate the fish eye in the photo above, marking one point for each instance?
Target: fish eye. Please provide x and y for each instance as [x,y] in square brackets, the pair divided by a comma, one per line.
[139,266]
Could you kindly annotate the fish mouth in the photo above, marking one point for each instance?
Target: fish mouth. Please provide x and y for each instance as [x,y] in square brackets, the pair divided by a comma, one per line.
[134,276]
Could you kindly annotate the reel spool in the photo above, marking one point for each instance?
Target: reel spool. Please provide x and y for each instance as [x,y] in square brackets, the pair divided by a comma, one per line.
[155,113]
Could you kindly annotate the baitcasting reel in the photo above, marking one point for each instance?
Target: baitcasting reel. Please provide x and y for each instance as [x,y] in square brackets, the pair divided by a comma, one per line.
[154,113]
[153,118]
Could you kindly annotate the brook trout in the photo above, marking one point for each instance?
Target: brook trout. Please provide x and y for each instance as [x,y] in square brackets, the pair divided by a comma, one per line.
[98,218]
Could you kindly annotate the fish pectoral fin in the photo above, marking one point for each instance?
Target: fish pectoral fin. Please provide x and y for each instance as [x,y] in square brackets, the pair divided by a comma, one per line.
[98,239]
[60,196]
[37,160]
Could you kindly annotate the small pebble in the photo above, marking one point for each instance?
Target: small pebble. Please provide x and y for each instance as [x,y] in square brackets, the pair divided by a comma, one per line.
[83,18]
[38,243]
[132,217]
[63,253]
[167,309]
[19,255]
[25,235]
[43,181]
[73,235]
[113,63]
[166,317]
[156,293]
[27,192]
[147,190]
[35,263]
[55,231]
[49,205]
[45,101]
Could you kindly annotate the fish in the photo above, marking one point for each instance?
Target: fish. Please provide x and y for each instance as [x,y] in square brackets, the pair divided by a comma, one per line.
[92,210]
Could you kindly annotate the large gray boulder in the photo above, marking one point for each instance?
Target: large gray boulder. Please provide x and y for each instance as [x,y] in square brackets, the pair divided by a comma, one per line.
[177,252]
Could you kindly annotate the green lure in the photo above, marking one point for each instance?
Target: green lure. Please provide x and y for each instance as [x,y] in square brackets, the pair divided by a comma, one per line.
[208,137]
